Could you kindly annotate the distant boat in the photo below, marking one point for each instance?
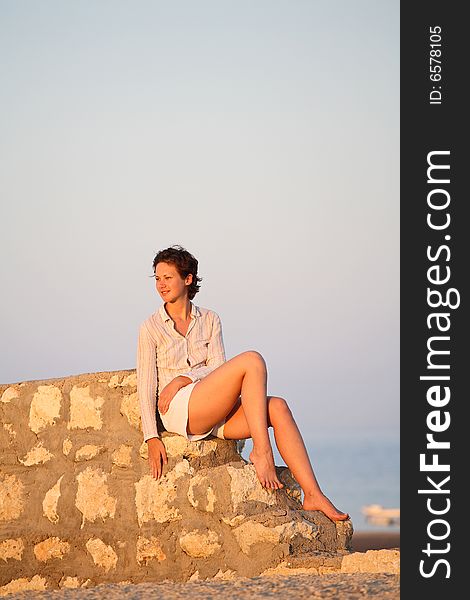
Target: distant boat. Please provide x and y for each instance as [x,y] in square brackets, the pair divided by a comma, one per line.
[378,515]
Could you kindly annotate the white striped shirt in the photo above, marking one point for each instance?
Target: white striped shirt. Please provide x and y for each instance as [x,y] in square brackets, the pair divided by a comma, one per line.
[163,354]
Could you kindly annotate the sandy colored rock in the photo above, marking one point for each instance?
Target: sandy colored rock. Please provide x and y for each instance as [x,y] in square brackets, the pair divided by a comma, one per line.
[113,382]
[304,528]
[177,445]
[11,549]
[36,583]
[227,575]
[122,457]
[154,499]
[200,493]
[45,407]
[130,409]
[11,497]
[36,456]
[93,499]
[102,554]
[199,544]
[249,534]
[85,411]
[67,446]
[127,381]
[88,452]
[372,561]
[9,427]
[49,504]
[148,550]
[246,486]
[69,583]
[10,394]
[233,522]
[53,547]
[83,525]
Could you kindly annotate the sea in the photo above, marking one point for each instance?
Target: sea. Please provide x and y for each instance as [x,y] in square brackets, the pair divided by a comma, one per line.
[355,469]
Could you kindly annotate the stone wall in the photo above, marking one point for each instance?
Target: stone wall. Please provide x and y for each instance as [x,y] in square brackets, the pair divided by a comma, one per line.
[78,506]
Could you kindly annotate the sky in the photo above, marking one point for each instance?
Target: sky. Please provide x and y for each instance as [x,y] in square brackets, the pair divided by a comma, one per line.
[263,136]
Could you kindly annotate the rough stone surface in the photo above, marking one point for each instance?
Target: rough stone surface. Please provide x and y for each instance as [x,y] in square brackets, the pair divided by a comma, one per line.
[93,499]
[372,561]
[88,452]
[122,380]
[45,407]
[148,550]
[37,455]
[9,427]
[23,583]
[155,499]
[11,497]
[103,555]
[200,493]
[51,548]
[69,582]
[51,499]
[85,411]
[122,457]
[67,446]
[244,486]
[9,394]
[13,548]
[79,507]
[251,533]
[130,408]
[199,543]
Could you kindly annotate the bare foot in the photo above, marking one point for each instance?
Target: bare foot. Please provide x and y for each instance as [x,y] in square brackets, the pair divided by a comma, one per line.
[264,465]
[322,503]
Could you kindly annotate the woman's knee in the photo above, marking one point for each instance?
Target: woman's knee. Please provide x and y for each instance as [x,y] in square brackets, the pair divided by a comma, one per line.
[278,407]
[252,357]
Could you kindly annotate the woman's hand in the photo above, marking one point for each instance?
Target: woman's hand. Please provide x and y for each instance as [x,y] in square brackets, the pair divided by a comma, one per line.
[169,391]
[157,454]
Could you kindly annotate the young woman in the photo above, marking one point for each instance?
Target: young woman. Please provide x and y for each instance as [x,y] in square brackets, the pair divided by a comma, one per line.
[181,359]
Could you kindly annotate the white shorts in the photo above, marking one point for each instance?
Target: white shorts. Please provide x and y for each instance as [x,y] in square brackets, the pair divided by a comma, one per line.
[176,417]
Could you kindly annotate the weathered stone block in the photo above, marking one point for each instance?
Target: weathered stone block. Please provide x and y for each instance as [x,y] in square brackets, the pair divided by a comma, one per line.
[148,550]
[93,499]
[85,410]
[12,548]
[79,507]
[199,544]
[51,548]
[51,499]
[37,455]
[12,498]
[45,407]
[103,555]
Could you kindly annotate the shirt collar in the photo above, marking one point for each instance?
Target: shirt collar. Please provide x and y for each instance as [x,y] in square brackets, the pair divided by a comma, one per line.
[166,317]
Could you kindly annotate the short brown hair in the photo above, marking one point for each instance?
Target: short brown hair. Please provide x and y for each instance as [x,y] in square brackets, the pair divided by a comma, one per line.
[185,264]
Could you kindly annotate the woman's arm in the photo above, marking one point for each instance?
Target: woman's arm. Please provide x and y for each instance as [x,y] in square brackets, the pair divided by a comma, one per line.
[147,391]
[147,382]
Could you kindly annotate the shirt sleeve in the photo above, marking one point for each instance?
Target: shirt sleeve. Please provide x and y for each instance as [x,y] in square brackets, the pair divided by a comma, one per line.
[215,353]
[147,382]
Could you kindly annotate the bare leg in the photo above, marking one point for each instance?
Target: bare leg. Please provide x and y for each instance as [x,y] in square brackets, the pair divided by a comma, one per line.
[292,449]
[214,396]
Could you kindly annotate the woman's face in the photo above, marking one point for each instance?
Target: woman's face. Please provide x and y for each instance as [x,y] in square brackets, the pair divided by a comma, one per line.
[170,285]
